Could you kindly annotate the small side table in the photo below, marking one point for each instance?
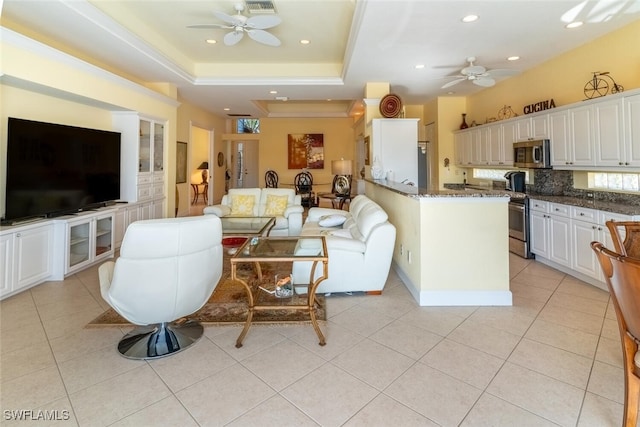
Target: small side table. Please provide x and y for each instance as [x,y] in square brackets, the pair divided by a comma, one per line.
[337,200]
[197,192]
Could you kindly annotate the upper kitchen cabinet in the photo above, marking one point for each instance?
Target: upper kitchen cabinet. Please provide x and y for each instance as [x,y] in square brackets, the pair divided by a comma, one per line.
[571,137]
[632,130]
[142,156]
[608,134]
[394,143]
[532,128]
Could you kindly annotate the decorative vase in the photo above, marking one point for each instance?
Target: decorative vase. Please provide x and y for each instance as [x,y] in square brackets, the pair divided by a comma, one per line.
[464,122]
[376,169]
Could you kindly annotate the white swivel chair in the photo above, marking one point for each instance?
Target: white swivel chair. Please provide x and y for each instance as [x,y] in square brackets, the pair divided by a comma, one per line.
[167,269]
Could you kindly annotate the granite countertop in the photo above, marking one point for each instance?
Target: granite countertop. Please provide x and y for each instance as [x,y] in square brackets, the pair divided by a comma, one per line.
[418,192]
[583,202]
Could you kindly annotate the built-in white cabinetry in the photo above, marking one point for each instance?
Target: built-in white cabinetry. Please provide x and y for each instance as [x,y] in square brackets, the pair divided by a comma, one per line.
[561,149]
[550,231]
[531,128]
[87,238]
[631,124]
[561,236]
[26,257]
[485,145]
[143,160]
[394,144]
[608,133]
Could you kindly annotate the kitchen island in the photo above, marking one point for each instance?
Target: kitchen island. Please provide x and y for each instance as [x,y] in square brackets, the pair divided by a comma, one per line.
[451,246]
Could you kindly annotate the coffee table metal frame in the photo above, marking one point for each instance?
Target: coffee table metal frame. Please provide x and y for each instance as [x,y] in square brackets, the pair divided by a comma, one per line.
[247,226]
[280,249]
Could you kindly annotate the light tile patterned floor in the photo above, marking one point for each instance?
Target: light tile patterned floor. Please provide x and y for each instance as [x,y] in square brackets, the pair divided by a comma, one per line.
[552,359]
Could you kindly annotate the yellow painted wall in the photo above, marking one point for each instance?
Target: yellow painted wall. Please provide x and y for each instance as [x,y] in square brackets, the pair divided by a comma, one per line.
[189,115]
[563,78]
[339,142]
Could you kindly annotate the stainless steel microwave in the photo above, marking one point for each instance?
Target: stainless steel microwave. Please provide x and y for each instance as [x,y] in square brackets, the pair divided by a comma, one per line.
[532,154]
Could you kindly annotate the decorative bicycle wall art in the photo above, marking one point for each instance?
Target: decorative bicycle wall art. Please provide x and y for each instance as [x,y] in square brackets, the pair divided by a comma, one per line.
[600,85]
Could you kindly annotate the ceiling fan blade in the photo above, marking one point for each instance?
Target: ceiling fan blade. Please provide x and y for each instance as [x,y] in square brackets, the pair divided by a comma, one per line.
[234,20]
[264,37]
[262,22]
[453,82]
[209,26]
[233,37]
[484,81]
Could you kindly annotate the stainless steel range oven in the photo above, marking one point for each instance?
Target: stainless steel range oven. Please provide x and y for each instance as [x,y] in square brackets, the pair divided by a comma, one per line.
[519,227]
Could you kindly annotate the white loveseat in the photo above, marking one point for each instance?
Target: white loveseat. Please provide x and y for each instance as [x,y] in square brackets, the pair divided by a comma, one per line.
[263,202]
[360,250]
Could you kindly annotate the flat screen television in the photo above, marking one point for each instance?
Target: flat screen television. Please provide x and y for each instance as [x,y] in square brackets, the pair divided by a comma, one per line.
[55,169]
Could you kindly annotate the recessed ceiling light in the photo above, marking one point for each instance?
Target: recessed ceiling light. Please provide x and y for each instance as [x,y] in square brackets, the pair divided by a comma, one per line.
[450,92]
[513,58]
[574,24]
[273,92]
[470,18]
[419,66]
[211,41]
[329,99]
[304,41]
[226,109]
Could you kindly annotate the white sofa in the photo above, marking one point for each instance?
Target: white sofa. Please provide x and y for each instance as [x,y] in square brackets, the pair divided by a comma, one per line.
[288,222]
[360,250]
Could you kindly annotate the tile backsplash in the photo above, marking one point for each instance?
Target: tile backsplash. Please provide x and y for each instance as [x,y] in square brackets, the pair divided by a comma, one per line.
[551,182]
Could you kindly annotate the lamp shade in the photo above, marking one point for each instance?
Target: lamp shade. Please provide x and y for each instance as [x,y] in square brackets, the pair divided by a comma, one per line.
[204,165]
[342,167]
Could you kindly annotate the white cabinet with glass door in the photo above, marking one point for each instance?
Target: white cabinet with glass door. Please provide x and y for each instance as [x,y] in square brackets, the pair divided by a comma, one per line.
[143,157]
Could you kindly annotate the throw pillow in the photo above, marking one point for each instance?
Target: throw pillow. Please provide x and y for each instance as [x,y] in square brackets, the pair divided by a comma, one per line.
[276,205]
[331,220]
[242,205]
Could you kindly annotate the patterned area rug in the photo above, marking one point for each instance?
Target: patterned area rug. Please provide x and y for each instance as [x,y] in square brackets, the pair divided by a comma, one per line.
[228,303]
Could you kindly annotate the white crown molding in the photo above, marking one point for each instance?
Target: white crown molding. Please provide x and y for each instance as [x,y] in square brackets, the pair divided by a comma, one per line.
[266,81]
[20,41]
[98,18]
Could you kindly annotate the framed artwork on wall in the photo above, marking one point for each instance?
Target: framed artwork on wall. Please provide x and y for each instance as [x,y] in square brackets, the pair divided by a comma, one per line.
[181,163]
[305,150]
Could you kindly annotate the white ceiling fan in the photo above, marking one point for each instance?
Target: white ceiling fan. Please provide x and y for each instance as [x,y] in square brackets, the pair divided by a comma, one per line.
[478,75]
[239,24]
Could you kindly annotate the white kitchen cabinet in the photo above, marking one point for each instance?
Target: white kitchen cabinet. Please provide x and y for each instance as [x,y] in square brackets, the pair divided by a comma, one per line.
[26,257]
[550,228]
[581,136]
[394,143]
[480,146]
[463,146]
[500,150]
[572,141]
[531,128]
[88,238]
[632,130]
[608,133]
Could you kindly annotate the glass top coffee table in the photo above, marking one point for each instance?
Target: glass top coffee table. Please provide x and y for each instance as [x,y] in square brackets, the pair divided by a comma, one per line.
[280,250]
[247,226]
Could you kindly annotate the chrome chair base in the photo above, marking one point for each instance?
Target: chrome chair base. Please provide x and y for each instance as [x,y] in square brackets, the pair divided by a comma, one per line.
[159,340]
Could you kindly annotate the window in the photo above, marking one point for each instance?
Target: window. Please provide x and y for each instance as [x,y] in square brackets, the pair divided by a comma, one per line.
[495,174]
[614,181]
[248,126]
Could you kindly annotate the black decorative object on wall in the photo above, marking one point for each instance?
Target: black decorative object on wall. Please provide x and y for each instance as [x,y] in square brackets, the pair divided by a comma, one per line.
[601,84]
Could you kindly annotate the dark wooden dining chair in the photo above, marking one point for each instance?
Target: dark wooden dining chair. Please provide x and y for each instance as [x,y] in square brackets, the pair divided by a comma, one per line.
[303,183]
[271,179]
[622,275]
[626,237]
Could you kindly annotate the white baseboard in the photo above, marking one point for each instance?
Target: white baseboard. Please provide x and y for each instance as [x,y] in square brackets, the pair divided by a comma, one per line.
[429,298]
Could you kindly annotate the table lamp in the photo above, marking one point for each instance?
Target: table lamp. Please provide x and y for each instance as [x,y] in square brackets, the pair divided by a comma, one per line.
[204,166]
[343,170]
